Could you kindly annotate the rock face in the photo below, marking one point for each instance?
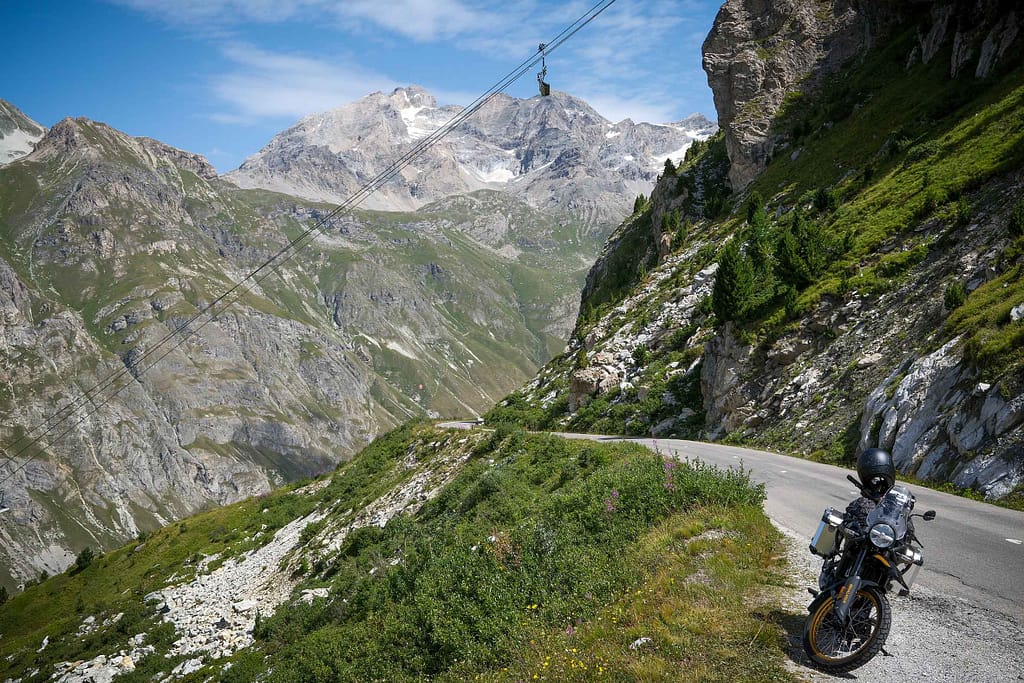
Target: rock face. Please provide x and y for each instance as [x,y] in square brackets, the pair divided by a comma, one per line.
[908,336]
[941,423]
[555,153]
[18,133]
[758,51]
[126,406]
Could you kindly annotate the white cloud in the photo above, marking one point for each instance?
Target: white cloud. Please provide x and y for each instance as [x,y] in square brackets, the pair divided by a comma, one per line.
[632,61]
[204,12]
[267,85]
[424,20]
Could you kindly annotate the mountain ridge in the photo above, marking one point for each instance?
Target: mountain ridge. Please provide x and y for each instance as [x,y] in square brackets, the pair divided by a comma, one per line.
[547,151]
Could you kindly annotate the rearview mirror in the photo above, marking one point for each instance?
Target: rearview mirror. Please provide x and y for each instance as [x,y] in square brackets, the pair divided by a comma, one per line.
[928,516]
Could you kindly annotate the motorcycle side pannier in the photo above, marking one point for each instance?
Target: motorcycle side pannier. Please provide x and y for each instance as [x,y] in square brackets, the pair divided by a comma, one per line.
[823,543]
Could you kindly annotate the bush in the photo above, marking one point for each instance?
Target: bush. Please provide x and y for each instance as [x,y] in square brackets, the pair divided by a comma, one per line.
[825,199]
[955,295]
[1017,220]
[84,559]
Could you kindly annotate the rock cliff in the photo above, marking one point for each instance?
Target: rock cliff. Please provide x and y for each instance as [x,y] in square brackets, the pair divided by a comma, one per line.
[873,294]
[760,51]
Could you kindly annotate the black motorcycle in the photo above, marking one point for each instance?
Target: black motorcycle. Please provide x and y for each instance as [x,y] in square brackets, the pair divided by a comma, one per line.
[850,617]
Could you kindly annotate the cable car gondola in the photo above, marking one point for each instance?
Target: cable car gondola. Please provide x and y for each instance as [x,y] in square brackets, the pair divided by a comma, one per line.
[545,88]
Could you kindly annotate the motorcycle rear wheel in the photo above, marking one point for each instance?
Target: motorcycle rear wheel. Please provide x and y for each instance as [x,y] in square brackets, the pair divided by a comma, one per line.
[836,647]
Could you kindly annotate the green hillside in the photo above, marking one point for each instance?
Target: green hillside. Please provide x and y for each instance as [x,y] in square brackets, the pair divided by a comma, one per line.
[533,557]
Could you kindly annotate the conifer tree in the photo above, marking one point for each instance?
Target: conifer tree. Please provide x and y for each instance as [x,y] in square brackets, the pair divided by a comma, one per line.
[801,252]
[755,210]
[670,168]
[732,295]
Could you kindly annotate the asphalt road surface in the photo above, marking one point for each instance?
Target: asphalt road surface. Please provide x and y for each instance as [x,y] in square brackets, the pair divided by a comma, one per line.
[964,619]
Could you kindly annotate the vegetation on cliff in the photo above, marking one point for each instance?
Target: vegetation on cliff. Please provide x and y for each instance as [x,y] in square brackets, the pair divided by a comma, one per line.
[889,205]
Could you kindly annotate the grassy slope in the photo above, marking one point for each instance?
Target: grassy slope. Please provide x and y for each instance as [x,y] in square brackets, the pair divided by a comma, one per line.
[543,559]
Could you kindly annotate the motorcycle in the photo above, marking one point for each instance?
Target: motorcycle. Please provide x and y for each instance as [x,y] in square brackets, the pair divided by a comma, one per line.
[849,619]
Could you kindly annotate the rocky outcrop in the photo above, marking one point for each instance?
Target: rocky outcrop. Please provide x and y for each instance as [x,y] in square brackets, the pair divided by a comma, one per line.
[941,422]
[758,51]
[555,153]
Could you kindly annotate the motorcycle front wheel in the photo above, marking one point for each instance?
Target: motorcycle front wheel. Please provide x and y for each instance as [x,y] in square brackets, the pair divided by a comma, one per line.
[836,647]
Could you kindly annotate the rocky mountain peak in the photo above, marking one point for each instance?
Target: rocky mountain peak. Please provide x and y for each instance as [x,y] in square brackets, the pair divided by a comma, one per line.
[553,152]
[96,141]
[18,133]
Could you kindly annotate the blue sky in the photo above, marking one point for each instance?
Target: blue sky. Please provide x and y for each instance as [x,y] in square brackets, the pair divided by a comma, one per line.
[221,77]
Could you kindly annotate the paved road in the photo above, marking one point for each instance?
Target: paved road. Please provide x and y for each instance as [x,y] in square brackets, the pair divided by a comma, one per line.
[972,550]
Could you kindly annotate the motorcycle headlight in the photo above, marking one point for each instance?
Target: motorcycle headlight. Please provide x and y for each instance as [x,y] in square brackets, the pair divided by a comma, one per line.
[882,535]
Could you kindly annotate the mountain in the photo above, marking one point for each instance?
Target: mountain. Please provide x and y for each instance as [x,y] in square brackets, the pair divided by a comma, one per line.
[555,153]
[112,247]
[18,133]
[840,267]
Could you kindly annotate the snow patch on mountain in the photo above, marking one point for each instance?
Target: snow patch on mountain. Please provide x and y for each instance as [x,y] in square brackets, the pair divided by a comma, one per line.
[18,133]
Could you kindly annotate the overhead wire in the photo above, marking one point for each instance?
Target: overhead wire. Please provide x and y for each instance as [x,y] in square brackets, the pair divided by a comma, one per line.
[185,330]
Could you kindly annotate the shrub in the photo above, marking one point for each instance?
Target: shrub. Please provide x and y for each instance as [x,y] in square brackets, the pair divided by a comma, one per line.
[955,295]
[825,199]
[84,559]
[640,354]
[1017,220]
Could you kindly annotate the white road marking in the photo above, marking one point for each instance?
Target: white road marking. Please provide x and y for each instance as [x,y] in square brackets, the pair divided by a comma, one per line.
[1014,541]
[782,471]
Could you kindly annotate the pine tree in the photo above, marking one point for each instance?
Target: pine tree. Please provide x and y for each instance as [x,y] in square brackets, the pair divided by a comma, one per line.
[732,295]
[801,252]
[670,168]
[671,223]
[84,559]
[640,204]
[755,210]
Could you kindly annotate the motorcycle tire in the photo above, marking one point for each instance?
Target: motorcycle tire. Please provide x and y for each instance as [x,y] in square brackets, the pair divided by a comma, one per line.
[838,648]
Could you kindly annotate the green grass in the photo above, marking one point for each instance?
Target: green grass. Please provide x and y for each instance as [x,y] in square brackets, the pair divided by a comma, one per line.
[117,581]
[534,535]
[541,555]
